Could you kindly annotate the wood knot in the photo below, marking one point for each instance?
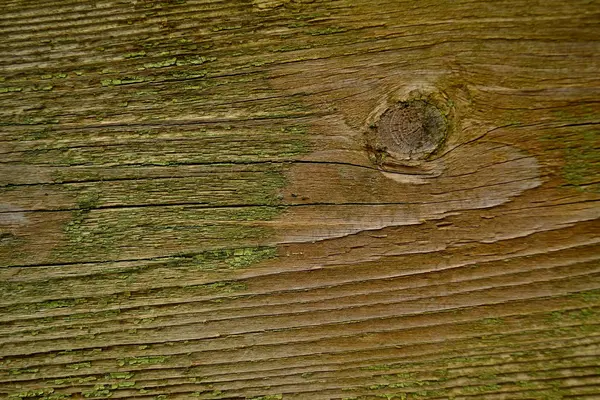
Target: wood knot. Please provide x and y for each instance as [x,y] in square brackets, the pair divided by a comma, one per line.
[411,130]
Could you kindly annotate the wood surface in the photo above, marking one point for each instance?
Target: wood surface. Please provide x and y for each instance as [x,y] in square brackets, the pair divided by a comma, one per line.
[192,204]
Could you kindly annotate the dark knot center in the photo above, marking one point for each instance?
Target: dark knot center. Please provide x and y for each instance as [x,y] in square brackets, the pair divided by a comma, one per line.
[411,130]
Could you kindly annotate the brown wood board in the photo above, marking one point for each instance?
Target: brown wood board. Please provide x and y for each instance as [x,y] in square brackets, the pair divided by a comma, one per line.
[299,199]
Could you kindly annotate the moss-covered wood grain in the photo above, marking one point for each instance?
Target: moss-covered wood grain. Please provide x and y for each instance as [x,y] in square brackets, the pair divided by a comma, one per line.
[194,202]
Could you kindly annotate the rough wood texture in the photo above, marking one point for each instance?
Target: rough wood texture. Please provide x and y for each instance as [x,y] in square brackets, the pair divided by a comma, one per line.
[194,201]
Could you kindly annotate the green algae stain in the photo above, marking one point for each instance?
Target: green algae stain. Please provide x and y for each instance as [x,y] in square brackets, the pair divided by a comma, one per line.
[582,162]
[137,54]
[99,391]
[10,89]
[225,28]
[122,81]
[580,147]
[481,373]
[38,394]
[120,375]
[232,218]
[100,233]
[162,64]
[137,361]
[194,60]
[52,304]
[378,367]
[234,223]
[80,365]
[234,258]
[328,31]
[20,371]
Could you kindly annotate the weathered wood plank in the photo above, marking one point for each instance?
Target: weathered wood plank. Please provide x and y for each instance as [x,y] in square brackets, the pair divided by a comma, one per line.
[196,199]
